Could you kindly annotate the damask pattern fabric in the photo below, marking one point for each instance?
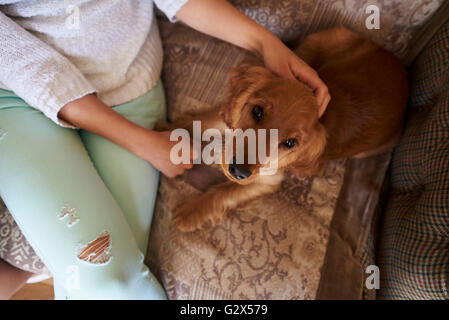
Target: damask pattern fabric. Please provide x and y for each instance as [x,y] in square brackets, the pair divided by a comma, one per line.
[272,248]
[292,20]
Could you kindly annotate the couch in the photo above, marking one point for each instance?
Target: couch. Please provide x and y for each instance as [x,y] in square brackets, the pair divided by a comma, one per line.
[316,238]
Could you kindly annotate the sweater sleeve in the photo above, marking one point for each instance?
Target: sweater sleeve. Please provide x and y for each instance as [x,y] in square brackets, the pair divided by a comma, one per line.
[37,73]
[170,7]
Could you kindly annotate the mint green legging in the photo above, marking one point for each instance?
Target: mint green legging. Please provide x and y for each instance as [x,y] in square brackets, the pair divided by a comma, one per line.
[84,203]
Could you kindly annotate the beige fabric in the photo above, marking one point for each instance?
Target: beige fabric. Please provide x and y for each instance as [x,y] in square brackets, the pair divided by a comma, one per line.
[273,248]
[292,20]
[14,248]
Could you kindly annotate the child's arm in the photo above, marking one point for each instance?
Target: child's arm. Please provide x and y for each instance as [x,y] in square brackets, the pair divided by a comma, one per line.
[220,19]
[91,114]
[47,80]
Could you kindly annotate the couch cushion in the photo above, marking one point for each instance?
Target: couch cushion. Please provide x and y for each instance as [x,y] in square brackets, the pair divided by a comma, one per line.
[281,246]
[352,242]
[414,255]
[292,20]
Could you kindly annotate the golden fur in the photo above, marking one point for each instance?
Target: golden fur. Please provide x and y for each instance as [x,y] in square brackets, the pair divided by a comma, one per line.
[369,93]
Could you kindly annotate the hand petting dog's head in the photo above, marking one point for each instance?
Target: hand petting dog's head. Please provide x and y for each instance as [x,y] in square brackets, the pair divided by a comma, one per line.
[258,99]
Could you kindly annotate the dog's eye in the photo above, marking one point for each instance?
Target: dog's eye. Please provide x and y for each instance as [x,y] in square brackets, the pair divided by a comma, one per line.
[289,143]
[257,113]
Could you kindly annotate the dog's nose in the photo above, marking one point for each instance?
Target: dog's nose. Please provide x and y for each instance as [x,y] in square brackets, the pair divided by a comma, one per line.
[238,171]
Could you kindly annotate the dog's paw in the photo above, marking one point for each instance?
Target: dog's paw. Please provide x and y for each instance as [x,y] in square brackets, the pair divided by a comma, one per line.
[185,219]
[195,215]
[162,126]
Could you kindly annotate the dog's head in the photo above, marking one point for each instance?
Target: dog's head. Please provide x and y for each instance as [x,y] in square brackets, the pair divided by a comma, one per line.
[259,99]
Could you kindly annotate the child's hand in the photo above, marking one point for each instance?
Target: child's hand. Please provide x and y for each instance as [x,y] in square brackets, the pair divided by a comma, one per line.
[90,113]
[280,59]
[157,152]
[220,19]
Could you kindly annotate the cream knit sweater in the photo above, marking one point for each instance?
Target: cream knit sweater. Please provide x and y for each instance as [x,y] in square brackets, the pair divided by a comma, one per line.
[55,51]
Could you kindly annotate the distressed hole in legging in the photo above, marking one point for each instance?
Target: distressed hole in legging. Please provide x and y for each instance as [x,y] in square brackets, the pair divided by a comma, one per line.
[98,250]
[2,133]
[68,211]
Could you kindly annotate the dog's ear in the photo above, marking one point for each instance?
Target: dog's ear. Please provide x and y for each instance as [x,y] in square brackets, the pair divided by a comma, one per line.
[243,80]
[312,148]
[245,76]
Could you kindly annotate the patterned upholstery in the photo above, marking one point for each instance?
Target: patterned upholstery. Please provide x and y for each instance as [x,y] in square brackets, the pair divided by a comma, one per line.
[277,246]
[292,20]
[414,255]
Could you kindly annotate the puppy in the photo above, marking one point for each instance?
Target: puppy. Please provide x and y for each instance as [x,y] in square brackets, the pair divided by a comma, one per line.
[369,92]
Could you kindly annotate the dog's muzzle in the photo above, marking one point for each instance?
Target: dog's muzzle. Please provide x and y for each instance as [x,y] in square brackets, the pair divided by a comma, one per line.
[237,171]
